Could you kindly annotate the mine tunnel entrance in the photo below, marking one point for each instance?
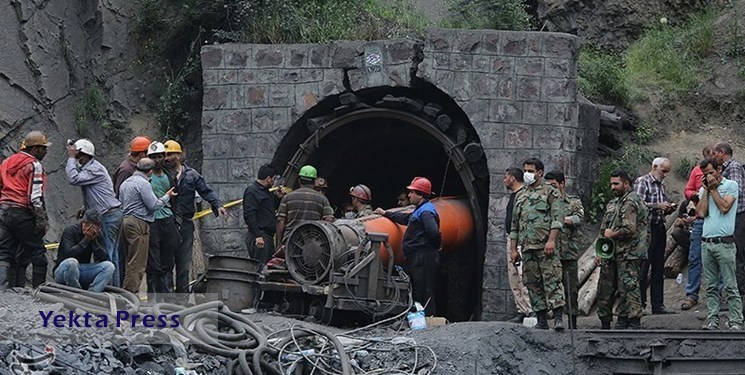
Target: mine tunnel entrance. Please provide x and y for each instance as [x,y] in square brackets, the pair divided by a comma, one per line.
[383,138]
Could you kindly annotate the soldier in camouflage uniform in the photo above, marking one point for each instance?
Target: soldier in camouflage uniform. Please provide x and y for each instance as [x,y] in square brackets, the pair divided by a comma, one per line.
[574,213]
[536,223]
[626,222]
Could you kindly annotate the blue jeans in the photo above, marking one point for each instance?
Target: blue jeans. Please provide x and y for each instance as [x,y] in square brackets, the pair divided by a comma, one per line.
[693,283]
[110,224]
[93,276]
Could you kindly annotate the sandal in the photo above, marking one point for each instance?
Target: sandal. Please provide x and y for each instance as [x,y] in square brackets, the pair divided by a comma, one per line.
[688,304]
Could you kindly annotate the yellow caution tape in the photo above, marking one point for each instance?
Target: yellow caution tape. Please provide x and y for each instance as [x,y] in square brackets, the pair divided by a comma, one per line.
[198,215]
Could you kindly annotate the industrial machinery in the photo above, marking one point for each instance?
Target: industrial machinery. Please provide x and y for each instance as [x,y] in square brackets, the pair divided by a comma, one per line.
[350,265]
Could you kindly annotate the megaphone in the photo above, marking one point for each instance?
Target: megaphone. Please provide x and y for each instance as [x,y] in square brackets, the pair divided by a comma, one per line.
[605,248]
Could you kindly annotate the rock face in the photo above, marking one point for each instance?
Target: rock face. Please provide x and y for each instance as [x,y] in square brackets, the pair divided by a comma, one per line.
[58,55]
[610,23]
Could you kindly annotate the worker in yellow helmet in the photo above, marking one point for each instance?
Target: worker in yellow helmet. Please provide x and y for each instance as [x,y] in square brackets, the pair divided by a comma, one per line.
[188,183]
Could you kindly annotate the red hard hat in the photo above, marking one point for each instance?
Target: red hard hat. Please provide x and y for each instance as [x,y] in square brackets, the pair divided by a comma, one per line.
[421,185]
[362,192]
[140,143]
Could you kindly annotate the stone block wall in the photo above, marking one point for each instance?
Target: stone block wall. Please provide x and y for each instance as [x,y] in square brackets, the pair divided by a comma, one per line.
[518,89]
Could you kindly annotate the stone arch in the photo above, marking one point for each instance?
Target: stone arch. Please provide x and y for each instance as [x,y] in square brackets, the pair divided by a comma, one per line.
[386,126]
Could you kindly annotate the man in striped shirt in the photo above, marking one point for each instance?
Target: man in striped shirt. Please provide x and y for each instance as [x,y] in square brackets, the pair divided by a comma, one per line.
[652,192]
[732,170]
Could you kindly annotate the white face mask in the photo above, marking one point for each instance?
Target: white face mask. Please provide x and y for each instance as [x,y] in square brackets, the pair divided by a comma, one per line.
[529,178]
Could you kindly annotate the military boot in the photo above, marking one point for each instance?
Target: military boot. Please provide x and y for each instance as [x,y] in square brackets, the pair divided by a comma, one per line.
[558,319]
[542,320]
[38,276]
[605,322]
[622,323]
[635,323]
[4,275]
[573,321]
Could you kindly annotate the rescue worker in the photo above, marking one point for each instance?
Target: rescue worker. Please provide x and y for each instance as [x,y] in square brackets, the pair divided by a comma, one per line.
[139,204]
[321,185]
[23,215]
[536,223]
[574,213]
[137,150]
[84,170]
[626,223]
[79,242]
[422,242]
[189,183]
[402,200]
[361,198]
[301,205]
[513,180]
[164,238]
[259,213]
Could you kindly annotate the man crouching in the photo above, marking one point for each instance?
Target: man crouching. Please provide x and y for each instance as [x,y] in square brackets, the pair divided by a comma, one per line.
[80,241]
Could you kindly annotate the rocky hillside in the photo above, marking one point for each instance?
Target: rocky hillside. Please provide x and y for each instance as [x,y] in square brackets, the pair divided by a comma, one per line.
[69,68]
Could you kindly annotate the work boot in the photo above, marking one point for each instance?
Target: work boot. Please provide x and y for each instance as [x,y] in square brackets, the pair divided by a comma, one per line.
[517,318]
[152,288]
[558,319]
[542,320]
[19,278]
[622,323]
[4,275]
[38,276]
[635,323]
[573,321]
[605,322]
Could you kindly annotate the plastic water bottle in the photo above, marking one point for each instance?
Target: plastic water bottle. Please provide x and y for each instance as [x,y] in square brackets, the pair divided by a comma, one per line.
[679,279]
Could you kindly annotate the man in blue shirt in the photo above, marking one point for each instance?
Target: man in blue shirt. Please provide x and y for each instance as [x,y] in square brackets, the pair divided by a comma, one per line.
[84,170]
[718,207]
[422,242]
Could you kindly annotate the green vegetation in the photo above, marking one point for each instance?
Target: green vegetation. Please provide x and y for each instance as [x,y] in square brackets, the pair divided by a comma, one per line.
[669,58]
[645,133]
[632,159]
[602,77]
[488,14]
[90,108]
[734,42]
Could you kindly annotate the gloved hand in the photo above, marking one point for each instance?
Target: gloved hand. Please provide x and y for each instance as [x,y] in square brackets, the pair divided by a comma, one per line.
[41,222]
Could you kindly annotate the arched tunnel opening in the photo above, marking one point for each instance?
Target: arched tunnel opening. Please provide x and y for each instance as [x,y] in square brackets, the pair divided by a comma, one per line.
[383,137]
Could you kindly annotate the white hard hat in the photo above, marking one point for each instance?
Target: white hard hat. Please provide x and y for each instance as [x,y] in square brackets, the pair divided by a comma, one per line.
[156,148]
[85,146]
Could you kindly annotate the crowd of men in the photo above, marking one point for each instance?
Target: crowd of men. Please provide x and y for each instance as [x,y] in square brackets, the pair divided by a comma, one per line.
[541,225]
[137,223]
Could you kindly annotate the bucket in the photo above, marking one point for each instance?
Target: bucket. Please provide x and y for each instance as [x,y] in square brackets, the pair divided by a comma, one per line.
[233,263]
[416,320]
[236,289]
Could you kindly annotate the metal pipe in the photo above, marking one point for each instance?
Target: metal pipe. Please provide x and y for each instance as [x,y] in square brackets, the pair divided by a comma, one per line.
[316,248]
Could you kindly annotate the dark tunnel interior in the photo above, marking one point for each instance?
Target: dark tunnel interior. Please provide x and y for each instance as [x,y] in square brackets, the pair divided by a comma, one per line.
[384,155]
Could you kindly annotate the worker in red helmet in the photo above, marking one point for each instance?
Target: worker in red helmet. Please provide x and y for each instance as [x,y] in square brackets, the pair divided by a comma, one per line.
[422,242]
[361,198]
[137,150]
